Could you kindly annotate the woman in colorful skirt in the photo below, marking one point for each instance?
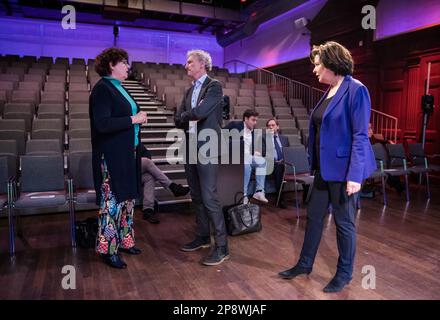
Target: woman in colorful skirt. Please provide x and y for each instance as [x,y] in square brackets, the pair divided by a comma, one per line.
[114,121]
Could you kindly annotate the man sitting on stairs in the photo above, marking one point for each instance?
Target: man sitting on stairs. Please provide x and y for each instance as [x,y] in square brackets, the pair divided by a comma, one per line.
[150,174]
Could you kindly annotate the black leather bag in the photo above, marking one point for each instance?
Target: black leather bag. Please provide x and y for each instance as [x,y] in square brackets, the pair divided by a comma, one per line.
[86,232]
[242,218]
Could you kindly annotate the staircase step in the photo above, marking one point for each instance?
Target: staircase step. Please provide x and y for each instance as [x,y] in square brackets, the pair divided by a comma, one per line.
[132,84]
[158,125]
[156,119]
[171,167]
[158,140]
[149,102]
[162,151]
[139,89]
[172,200]
[130,81]
[148,108]
[136,91]
[176,174]
[158,145]
[143,100]
[147,130]
[160,113]
[165,160]
[135,87]
[139,95]
[154,133]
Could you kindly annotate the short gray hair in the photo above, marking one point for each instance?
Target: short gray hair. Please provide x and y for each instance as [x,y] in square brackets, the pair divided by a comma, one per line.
[202,56]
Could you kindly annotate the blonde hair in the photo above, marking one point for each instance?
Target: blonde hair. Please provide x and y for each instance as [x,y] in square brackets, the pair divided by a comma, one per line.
[203,57]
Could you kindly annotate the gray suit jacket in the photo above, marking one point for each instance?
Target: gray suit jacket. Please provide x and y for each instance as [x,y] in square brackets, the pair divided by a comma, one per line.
[208,111]
[209,107]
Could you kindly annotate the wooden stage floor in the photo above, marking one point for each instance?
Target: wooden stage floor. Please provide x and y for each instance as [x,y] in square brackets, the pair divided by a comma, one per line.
[401,243]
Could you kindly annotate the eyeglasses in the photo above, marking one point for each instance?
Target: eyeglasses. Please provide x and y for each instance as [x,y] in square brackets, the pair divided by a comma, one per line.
[126,63]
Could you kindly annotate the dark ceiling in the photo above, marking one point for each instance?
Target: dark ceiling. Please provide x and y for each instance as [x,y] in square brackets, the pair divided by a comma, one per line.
[98,13]
[229,20]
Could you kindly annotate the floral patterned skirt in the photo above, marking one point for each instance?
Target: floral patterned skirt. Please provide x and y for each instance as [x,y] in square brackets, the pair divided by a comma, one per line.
[115,219]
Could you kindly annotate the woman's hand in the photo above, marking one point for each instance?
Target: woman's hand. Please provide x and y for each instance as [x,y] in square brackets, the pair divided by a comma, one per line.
[353,187]
[139,118]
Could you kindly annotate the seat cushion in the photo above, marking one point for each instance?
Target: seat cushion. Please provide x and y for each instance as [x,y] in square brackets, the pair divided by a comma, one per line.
[84,196]
[419,169]
[300,178]
[377,174]
[396,172]
[41,199]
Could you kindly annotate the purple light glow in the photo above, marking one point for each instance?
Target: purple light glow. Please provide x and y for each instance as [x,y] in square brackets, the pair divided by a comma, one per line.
[396,17]
[277,40]
[47,38]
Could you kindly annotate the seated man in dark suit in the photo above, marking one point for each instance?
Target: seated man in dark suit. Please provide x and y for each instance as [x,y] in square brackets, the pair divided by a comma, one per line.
[253,158]
[279,142]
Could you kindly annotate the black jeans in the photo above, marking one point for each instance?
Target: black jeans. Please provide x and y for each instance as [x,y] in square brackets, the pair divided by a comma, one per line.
[344,210]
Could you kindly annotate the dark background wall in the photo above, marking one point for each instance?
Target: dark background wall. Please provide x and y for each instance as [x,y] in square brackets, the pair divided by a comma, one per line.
[394,69]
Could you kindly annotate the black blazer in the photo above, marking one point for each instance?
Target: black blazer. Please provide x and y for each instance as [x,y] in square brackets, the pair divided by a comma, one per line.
[208,112]
[239,125]
[113,136]
[284,141]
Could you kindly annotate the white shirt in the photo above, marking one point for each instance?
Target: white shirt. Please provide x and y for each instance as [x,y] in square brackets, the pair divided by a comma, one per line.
[247,138]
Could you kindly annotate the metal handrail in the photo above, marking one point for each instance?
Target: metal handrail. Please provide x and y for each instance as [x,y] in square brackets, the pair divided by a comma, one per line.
[291,89]
[382,123]
[385,124]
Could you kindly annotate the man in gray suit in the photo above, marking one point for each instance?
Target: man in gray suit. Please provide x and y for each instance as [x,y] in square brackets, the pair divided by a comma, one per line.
[201,109]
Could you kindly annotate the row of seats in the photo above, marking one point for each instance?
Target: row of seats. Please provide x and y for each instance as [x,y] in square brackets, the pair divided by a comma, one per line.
[34,98]
[392,160]
[11,58]
[43,129]
[77,108]
[150,67]
[56,70]
[44,183]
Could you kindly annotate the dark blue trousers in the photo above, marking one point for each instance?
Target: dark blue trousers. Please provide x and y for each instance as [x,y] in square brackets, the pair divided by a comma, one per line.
[344,211]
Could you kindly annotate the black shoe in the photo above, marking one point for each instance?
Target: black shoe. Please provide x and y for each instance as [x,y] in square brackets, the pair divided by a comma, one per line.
[178,190]
[217,256]
[115,261]
[150,216]
[132,250]
[336,284]
[294,272]
[196,244]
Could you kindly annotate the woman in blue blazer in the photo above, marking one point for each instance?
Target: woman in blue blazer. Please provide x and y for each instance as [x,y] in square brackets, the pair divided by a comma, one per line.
[341,157]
